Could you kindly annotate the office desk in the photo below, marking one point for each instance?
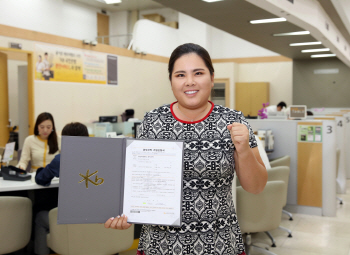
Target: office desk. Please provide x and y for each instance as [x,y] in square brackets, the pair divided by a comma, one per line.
[24,185]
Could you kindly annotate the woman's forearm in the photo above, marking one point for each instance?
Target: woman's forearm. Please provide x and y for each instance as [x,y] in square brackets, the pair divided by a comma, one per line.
[250,170]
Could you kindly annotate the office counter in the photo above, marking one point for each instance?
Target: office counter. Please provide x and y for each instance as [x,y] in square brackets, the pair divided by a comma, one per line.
[24,185]
[312,181]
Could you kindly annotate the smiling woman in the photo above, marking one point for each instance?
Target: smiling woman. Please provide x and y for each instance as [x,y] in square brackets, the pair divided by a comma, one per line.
[191,82]
[217,141]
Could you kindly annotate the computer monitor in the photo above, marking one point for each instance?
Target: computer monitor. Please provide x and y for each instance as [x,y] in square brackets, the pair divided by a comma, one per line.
[297,112]
[112,119]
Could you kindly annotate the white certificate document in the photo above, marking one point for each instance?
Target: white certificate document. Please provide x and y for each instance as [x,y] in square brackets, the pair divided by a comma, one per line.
[153,182]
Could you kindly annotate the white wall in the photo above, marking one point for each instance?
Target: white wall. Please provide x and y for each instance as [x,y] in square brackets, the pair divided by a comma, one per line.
[118,25]
[154,38]
[225,45]
[220,44]
[343,9]
[143,86]
[158,39]
[278,74]
[149,89]
[75,20]
[192,30]
[58,17]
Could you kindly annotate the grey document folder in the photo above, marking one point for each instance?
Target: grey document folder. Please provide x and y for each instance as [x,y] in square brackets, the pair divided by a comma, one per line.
[91,186]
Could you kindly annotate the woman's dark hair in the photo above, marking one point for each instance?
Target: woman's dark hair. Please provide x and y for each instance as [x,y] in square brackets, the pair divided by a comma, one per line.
[52,139]
[186,49]
[75,129]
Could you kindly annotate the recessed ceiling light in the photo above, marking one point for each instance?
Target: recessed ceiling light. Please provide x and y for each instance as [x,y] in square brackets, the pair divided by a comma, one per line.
[323,55]
[305,43]
[293,33]
[211,1]
[259,21]
[315,50]
[112,1]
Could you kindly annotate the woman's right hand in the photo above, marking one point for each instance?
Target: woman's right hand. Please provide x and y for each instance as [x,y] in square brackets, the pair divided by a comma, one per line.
[21,167]
[119,222]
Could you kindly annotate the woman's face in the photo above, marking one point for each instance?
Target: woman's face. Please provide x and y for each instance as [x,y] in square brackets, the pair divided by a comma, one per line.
[45,129]
[191,81]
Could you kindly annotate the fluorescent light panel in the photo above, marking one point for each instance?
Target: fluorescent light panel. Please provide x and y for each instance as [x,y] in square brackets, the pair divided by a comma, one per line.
[211,1]
[113,1]
[315,50]
[260,21]
[293,33]
[323,55]
[305,43]
[326,71]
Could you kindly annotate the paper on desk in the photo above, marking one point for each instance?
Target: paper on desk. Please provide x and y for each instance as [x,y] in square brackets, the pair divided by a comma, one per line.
[153,182]
[9,150]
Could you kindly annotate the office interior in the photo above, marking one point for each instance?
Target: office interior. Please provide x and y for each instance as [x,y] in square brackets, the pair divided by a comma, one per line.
[254,62]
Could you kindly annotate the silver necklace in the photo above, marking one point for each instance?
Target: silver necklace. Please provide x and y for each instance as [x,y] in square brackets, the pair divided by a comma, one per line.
[192,120]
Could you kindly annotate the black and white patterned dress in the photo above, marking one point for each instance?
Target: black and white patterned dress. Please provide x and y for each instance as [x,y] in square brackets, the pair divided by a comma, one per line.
[209,222]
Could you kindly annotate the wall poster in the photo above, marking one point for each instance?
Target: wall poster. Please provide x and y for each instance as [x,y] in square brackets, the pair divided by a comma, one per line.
[57,63]
[309,133]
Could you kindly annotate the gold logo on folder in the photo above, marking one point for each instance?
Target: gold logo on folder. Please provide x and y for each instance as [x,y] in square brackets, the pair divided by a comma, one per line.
[86,178]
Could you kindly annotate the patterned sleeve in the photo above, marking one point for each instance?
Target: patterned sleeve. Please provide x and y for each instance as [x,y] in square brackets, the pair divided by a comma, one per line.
[252,141]
[143,128]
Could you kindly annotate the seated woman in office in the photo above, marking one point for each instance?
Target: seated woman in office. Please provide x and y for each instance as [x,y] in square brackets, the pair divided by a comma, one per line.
[216,137]
[43,177]
[40,148]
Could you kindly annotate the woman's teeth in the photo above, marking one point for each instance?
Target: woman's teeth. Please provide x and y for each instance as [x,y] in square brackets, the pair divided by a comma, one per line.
[191,92]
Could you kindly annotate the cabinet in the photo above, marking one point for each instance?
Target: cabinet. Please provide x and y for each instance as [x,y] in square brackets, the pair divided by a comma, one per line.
[220,94]
[249,97]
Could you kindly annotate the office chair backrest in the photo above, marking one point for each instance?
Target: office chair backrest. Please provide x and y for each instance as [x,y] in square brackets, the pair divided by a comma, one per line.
[260,212]
[87,239]
[280,173]
[15,223]
[282,161]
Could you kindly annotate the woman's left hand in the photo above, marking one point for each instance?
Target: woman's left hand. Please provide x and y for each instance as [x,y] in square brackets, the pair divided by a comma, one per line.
[240,136]
[119,222]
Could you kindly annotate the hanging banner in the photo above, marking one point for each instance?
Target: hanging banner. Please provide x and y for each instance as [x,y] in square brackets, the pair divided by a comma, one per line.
[74,65]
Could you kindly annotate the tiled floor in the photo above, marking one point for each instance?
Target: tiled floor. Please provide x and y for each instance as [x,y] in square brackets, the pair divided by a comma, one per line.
[312,235]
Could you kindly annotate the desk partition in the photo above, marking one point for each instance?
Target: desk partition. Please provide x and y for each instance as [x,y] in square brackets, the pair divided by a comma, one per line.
[312,148]
[347,141]
[340,144]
